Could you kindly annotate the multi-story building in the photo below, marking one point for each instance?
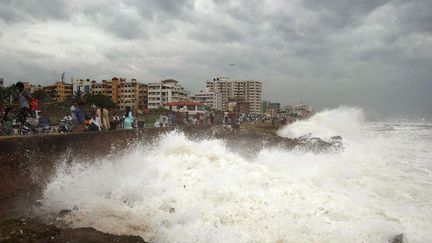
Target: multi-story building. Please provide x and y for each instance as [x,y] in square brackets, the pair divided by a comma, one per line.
[247,91]
[115,90]
[59,90]
[192,108]
[212,99]
[164,92]
[82,87]
[270,108]
[300,111]
[103,88]
[123,93]
[1,82]
[131,94]
[238,105]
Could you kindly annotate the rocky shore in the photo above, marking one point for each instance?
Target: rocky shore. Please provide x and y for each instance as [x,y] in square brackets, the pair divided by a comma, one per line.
[33,230]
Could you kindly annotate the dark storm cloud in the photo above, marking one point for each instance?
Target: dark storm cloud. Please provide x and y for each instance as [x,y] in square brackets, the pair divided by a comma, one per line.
[123,23]
[324,52]
[27,10]
[164,8]
[249,12]
[415,16]
[343,12]
[217,32]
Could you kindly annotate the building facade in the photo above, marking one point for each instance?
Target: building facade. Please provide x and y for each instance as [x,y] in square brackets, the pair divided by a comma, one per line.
[247,91]
[103,88]
[212,99]
[123,93]
[164,92]
[192,108]
[270,108]
[131,94]
[59,90]
[82,87]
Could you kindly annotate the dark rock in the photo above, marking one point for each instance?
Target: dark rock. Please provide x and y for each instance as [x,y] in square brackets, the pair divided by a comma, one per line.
[399,239]
[64,212]
[13,230]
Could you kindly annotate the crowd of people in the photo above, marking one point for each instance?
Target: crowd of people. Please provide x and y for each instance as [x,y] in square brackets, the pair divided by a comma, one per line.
[99,119]
[24,117]
[27,118]
[27,107]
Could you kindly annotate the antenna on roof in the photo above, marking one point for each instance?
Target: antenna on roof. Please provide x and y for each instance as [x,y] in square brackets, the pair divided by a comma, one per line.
[62,76]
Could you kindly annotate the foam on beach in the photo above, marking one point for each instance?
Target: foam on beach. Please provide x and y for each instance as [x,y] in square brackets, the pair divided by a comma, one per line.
[179,190]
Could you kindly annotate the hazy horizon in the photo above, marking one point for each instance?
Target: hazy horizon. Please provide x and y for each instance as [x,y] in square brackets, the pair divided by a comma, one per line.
[371,54]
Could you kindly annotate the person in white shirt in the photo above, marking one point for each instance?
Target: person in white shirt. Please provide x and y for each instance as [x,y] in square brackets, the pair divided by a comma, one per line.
[95,124]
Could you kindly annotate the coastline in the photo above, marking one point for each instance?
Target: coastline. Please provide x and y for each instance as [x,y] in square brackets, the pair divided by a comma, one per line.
[26,163]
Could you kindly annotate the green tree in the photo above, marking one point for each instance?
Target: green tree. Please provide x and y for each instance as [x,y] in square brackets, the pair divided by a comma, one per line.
[42,96]
[6,94]
[99,100]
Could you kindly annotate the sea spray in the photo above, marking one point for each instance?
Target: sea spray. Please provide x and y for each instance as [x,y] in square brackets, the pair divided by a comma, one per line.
[178,190]
[343,121]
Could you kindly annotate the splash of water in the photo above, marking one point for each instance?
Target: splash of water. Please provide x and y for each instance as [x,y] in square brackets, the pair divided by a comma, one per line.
[343,121]
[187,191]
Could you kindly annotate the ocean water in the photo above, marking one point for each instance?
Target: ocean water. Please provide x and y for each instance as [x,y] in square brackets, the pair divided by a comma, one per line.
[179,190]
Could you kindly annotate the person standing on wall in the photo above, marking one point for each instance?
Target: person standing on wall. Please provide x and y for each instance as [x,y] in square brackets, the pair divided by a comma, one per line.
[79,116]
[103,114]
[73,115]
[128,118]
[23,98]
[140,118]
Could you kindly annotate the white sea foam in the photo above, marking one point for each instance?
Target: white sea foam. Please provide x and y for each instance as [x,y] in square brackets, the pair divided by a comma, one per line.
[187,191]
[343,121]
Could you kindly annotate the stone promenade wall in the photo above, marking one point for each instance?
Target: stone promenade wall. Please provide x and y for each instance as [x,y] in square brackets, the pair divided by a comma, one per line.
[27,161]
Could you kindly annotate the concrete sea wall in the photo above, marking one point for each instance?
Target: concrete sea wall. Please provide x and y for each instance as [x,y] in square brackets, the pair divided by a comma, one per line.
[27,161]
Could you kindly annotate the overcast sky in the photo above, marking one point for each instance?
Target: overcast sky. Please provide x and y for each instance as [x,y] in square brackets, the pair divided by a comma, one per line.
[375,54]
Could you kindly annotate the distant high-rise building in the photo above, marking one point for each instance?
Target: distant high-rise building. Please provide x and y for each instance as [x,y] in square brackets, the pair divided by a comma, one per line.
[212,99]
[165,91]
[1,82]
[243,91]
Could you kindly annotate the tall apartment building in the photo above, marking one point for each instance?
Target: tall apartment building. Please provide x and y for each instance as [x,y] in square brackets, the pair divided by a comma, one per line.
[212,99]
[59,89]
[131,94]
[164,92]
[247,91]
[1,82]
[123,93]
[104,87]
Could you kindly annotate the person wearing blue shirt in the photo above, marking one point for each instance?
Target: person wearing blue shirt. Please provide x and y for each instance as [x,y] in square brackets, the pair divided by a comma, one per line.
[79,117]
